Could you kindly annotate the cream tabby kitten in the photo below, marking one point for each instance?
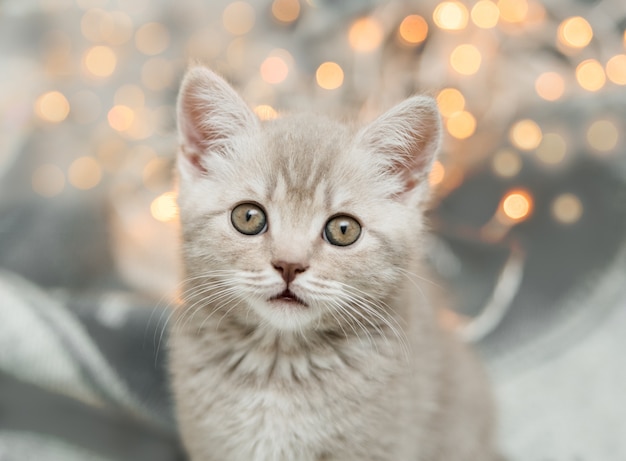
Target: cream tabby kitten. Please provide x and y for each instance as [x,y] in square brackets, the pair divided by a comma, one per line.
[304,335]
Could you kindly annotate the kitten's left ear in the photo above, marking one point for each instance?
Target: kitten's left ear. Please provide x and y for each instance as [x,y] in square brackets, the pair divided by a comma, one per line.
[407,139]
[210,114]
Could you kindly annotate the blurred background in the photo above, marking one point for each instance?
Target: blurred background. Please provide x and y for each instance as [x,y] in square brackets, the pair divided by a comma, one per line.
[528,216]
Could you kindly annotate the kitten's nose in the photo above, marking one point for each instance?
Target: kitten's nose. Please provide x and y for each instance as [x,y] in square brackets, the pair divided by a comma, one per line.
[288,270]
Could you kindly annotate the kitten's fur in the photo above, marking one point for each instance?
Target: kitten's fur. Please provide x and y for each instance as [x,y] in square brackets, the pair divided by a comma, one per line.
[362,373]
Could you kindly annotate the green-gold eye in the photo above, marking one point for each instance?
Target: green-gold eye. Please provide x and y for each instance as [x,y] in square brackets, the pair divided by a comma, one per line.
[249,219]
[342,230]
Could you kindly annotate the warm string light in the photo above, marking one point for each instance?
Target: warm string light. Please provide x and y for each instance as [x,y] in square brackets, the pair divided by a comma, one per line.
[575,32]
[516,206]
[590,75]
[506,163]
[329,75]
[413,30]
[466,59]
[437,173]
[525,134]
[603,136]
[84,173]
[567,209]
[100,61]
[239,18]
[52,106]
[550,86]
[616,69]
[265,112]
[274,70]
[365,35]
[552,149]
[485,14]
[286,11]
[164,207]
[452,15]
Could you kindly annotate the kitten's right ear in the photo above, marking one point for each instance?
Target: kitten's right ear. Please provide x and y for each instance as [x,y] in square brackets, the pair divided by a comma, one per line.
[210,113]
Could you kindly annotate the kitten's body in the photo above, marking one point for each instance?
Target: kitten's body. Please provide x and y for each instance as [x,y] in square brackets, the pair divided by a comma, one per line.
[356,367]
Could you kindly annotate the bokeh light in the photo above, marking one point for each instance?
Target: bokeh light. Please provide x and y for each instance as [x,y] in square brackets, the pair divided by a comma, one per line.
[552,149]
[286,10]
[164,207]
[465,59]
[329,75]
[274,70]
[100,61]
[265,112]
[152,38]
[48,180]
[517,205]
[437,173]
[567,208]
[365,35]
[238,18]
[603,135]
[413,30]
[461,125]
[616,69]
[525,134]
[575,32]
[121,117]
[451,15]
[84,173]
[506,163]
[485,14]
[52,106]
[550,86]
[513,11]
[450,101]
[590,75]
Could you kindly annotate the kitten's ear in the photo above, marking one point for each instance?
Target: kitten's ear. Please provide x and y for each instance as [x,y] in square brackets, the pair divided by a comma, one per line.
[210,113]
[407,139]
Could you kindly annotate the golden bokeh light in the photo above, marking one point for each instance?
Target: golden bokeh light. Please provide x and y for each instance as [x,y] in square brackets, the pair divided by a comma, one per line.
[164,207]
[525,134]
[152,38]
[513,11]
[413,30]
[552,149]
[84,173]
[451,15]
[485,14]
[506,163]
[567,208]
[121,117]
[466,59]
[516,205]
[118,29]
[450,101]
[575,32]
[92,22]
[100,61]
[437,173]
[265,112]
[52,107]
[286,10]
[590,75]
[603,135]
[274,70]
[48,180]
[365,35]
[616,69]
[550,86]
[238,18]
[329,75]
[143,124]
[461,125]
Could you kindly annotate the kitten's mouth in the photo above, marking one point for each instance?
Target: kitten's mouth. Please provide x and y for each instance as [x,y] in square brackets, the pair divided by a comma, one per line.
[288,297]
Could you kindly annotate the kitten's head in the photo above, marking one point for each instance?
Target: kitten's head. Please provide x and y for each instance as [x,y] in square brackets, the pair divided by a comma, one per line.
[299,222]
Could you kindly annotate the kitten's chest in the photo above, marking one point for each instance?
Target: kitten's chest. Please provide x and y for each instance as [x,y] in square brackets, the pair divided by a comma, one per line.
[258,405]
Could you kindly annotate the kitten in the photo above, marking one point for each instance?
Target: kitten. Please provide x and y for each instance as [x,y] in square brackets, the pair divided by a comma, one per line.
[305,335]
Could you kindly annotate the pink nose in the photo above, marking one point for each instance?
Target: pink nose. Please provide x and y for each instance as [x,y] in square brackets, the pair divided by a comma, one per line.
[287,270]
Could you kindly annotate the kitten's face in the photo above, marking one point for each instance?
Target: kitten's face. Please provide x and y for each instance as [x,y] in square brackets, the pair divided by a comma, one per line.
[296,223]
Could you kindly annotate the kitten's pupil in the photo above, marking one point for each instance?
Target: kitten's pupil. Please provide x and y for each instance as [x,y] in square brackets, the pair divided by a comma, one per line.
[249,215]
[344,227]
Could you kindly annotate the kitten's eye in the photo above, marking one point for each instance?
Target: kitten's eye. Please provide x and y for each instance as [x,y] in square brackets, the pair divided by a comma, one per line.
[249,219]
[342,230]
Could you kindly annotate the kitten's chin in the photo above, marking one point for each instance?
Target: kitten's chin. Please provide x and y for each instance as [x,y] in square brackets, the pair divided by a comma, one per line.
[286,312]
